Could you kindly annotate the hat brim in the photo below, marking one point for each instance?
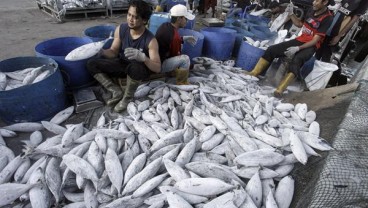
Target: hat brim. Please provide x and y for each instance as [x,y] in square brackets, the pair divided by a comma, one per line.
[189,16]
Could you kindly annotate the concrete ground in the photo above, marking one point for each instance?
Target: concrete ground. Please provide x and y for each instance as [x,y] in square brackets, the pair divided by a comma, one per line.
[23,26]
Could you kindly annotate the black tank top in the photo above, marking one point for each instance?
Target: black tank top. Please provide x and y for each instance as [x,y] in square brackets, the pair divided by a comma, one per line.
[127,41]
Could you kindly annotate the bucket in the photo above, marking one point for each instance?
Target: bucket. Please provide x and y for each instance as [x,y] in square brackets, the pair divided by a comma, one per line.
[218,42]
[156,20]
[34,102]
[75,73]
[248,56]
[99,32]
[188,49]
[171,3]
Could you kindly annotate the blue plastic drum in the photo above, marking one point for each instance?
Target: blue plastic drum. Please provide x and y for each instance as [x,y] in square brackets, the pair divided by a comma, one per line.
[35,102]
[240,33]
[75,73]
[99,32]
[248,56]
[218,42]
[192,50]
[156,20]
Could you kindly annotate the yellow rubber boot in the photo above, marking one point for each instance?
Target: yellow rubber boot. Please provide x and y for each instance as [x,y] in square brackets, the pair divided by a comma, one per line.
[159,9]
[262,65]
[288,78]
[181,76]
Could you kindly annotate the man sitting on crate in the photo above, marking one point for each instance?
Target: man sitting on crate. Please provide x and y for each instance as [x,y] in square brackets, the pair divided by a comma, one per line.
[133,54]
[301,49]
[169,42]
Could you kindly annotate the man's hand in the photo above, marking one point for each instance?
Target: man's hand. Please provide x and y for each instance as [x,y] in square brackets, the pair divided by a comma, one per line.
[291,51]
[134,54]
[190,39]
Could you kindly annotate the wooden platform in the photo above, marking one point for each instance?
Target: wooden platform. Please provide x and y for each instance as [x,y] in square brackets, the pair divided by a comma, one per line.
[73,13]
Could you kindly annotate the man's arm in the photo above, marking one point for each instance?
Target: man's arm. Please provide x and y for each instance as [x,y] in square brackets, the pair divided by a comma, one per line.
[113,51]
[153,62]
[296,21]
[311,43]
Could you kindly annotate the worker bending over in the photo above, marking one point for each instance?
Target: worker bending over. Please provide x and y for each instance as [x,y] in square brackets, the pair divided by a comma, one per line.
[132,55]
[169,42]
[301,49]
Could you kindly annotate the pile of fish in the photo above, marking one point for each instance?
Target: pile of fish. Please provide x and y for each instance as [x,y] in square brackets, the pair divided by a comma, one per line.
[28,76]
[219,142]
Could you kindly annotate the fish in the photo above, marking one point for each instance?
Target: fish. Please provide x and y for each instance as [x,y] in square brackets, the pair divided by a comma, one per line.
[86,51]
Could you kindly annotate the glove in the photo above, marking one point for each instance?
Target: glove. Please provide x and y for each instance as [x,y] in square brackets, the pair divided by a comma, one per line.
[291,51]
[190,39]
[134,54]
[290,9]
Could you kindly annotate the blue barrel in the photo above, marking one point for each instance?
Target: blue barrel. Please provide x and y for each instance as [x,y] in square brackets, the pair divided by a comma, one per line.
[75,73]
[248,56]
[188,49]
[307,68]
[218,42]
[171,3]
[190,24]
[156,20]
[240,33]
[99,32]
[262,32]
[34,102]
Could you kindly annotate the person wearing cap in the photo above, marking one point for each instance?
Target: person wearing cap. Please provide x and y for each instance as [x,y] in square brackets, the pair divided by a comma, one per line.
[132,55]
[169,42]
[301,49]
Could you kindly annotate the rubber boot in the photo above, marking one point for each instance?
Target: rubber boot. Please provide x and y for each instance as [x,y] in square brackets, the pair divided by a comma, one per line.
[131,86]
[159,9]
[262,65]
[107,83]
[288,78]
[181,76]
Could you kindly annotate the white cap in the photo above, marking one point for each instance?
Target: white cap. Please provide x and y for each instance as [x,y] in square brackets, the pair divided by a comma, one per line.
[180,10]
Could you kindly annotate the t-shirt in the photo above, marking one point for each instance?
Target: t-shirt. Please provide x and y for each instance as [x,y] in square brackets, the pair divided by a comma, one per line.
[169,41]
[127,41]
[315,25]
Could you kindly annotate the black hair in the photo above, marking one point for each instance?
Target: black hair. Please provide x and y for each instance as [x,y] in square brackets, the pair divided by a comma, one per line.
[174,19]
[144,10]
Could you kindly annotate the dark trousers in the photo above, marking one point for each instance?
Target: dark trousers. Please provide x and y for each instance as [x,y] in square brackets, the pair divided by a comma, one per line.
[324,53]
[118,68]
[296,63]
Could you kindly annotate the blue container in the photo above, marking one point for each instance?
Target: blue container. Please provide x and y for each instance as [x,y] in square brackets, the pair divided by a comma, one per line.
[188,49]
[156,20]
[307,68]
[218,42]
[240,33]
[34,102]
[262,32]
[171,3]
[74,72]
[99,32]
[190,24]
[248,56]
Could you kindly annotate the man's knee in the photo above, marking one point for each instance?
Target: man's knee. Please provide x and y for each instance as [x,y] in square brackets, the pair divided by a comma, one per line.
[137,71]
[92,66]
